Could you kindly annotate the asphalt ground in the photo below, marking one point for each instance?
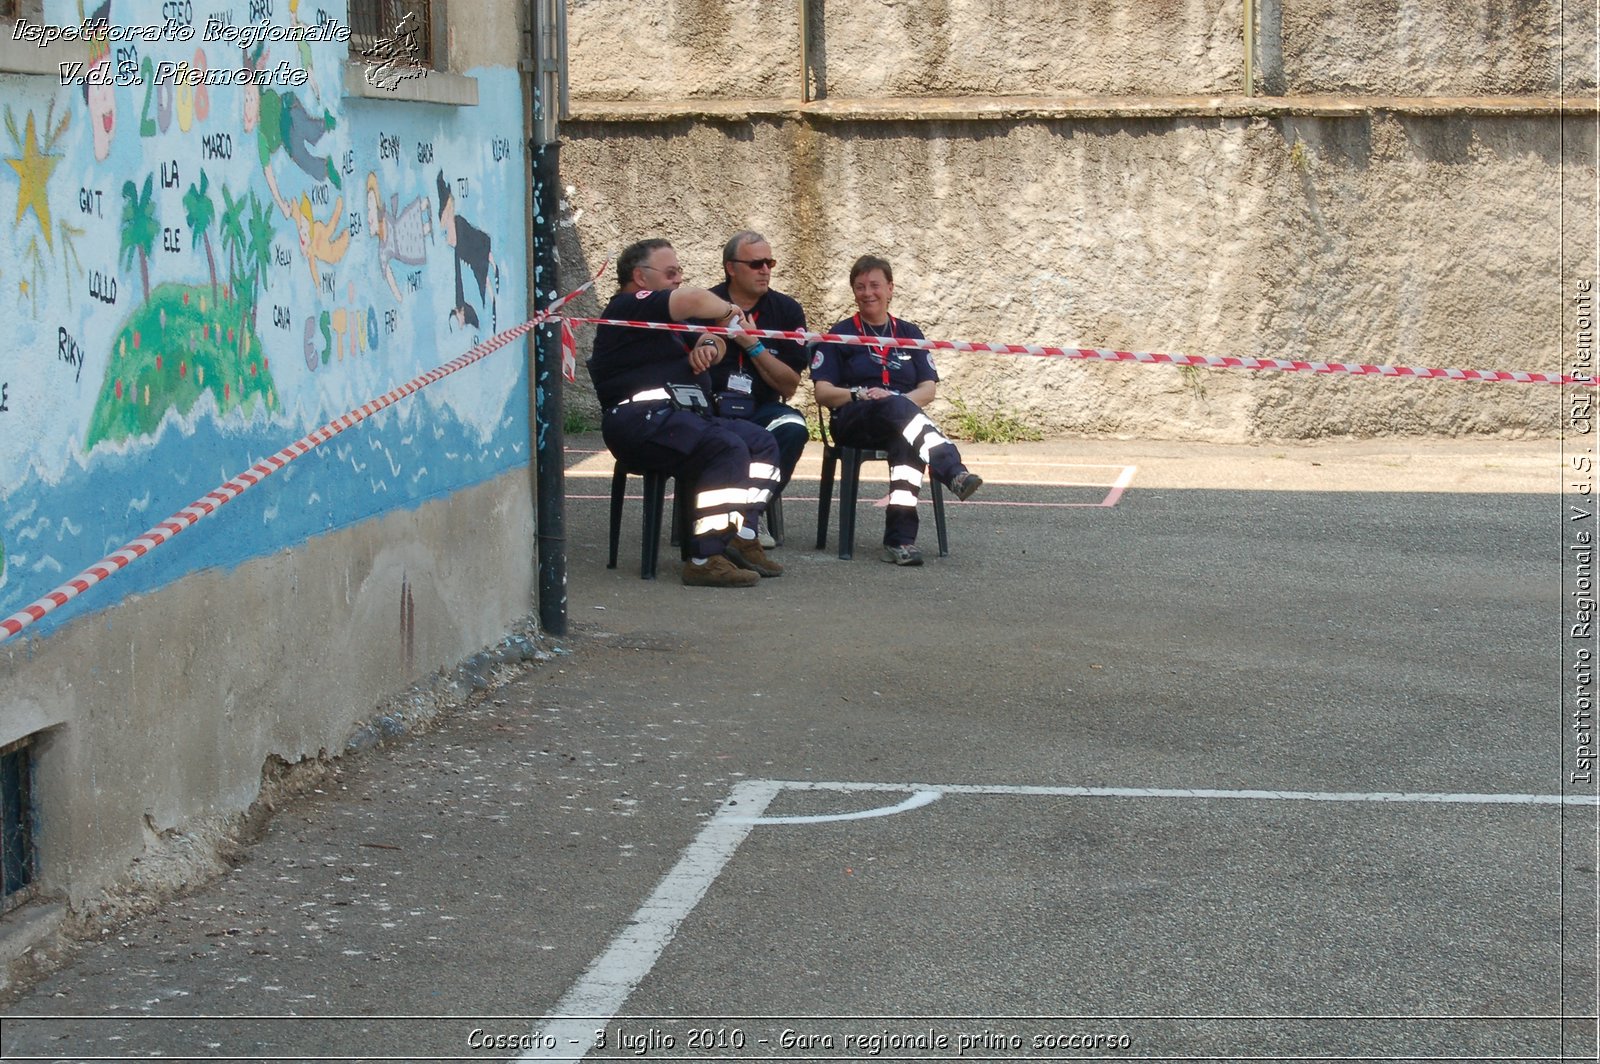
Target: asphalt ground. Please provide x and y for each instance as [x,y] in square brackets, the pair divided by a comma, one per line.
[1250,759]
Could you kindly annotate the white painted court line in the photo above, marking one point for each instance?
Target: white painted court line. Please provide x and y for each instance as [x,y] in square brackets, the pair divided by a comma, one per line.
[916,801]
[605,986]
[1394,797]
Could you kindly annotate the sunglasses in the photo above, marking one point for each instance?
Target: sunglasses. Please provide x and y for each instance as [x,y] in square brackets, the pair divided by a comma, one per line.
[672,273]
[756,264]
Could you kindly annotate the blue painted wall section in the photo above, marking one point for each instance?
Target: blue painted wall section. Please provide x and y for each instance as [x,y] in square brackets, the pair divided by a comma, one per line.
[195,275]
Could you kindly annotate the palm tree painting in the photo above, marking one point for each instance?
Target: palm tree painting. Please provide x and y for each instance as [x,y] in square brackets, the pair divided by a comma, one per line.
[233,238]
[200,212]
[259,252]
[139,228]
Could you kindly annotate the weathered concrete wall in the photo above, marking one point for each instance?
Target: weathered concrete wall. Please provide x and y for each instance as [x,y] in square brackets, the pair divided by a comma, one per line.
[751,49]
[1404,240]
[1401,48]
[1093,175]
[1030,47]
[158,716]
[197,278]
[683,49]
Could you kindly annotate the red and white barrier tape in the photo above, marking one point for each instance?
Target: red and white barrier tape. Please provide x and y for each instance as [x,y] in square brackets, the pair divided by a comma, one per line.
[208,504]
[1105,354]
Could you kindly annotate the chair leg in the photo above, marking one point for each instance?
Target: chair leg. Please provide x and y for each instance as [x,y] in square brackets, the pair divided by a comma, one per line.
[938,518]
[655,487]
[849,487]
[825,495]
[683,516]
[774,519]
[619,487]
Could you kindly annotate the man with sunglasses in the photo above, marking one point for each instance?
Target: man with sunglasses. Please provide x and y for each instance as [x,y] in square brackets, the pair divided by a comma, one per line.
[768,373]
[653,389]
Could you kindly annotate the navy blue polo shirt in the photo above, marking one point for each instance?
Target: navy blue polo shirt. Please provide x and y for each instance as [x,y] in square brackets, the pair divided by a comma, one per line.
[900,369]
[627,361]
[773,310]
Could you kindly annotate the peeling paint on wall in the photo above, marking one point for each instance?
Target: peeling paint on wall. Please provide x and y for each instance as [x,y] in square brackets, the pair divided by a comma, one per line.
[198,274]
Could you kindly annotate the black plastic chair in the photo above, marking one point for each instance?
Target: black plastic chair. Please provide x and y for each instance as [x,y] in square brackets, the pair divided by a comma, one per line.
[849,459]
[655,491]
[773,519]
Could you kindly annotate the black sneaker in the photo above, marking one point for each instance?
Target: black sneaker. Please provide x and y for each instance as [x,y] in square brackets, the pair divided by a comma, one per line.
[965,484]
[906,554]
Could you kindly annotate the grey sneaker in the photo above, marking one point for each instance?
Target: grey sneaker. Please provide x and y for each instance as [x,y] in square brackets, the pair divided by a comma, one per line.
[964,484]
[766,540]
[902,555]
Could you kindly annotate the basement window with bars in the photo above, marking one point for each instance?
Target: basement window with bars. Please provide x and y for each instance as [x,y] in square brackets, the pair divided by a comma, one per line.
[17,858]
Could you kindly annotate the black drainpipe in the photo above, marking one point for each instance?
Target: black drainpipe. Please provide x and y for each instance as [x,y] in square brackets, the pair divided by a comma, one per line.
[549,444]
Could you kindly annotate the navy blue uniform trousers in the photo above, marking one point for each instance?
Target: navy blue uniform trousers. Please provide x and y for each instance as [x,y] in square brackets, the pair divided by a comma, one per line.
[898,426]
[733,464]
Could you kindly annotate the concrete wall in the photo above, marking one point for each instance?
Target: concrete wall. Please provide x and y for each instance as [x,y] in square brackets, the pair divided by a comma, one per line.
[750,49]
[1092,175]
[1402,48]
[194,281]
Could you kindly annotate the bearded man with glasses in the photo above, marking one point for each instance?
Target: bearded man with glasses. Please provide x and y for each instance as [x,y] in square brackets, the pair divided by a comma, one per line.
[768,371]
[654,390]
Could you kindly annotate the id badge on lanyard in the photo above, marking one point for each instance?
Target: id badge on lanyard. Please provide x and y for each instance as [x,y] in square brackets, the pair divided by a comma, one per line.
[879,351]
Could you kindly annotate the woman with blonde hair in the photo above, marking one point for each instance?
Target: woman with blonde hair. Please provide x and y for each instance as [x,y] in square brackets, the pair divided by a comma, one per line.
[401,235]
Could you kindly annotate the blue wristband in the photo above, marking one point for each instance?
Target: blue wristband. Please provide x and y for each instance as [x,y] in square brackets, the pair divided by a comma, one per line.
[759,349]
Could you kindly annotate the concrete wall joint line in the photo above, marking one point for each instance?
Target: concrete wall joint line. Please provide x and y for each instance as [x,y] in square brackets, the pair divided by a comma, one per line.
[1003,108]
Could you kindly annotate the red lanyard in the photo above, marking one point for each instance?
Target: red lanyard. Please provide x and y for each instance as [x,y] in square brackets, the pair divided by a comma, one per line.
[880,350]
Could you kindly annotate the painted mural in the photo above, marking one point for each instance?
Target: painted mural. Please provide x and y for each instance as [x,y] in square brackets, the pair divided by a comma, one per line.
[213,252]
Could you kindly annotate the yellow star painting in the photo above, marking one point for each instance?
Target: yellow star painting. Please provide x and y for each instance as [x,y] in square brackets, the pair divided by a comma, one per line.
[34,169]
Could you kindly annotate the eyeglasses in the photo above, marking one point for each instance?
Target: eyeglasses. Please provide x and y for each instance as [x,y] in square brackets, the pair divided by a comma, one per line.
[672,273]
[756,264]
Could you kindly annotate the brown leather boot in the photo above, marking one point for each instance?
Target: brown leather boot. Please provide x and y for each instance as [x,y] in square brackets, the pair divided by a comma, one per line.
[747,554]
[718,571]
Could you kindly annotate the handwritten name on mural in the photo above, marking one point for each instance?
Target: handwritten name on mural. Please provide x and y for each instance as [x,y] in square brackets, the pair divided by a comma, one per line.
[103,287]
[68,350]
[5,398]
[179,11]
[216,146]
[89,202]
